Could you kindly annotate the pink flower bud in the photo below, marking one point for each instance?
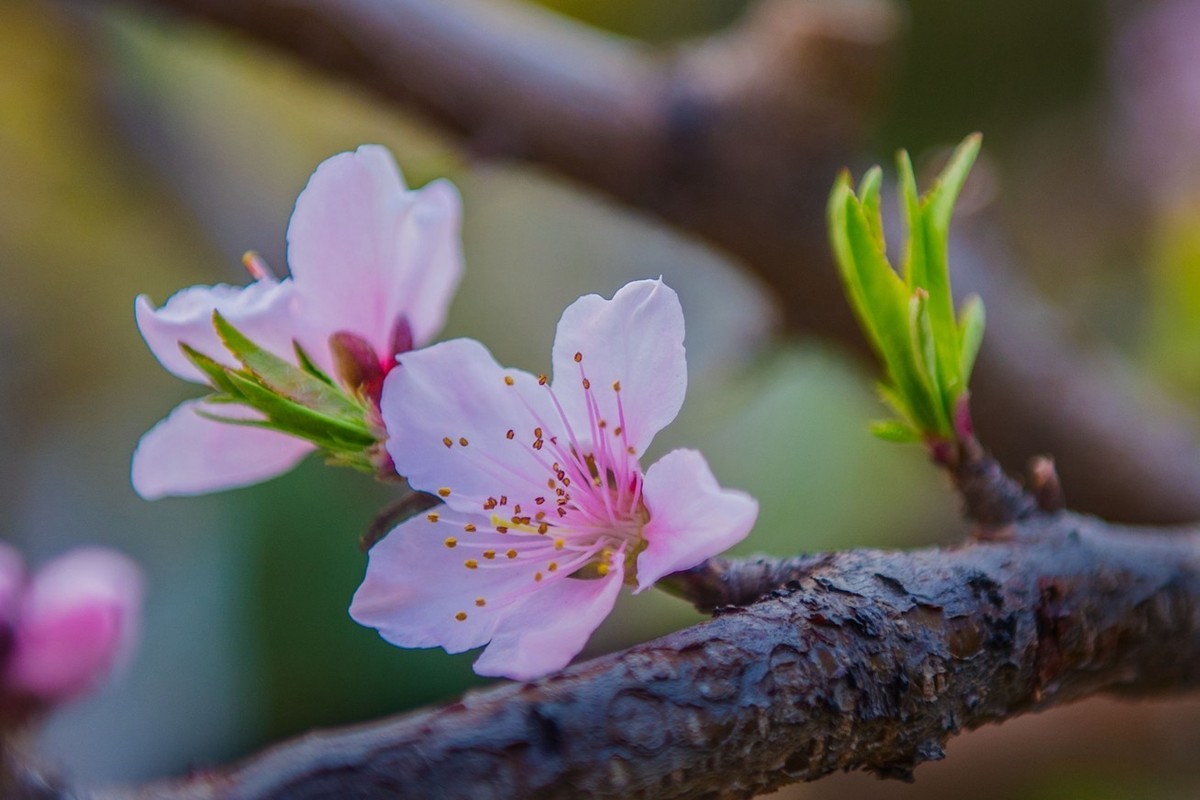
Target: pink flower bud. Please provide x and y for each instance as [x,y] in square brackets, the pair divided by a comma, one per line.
[78,621]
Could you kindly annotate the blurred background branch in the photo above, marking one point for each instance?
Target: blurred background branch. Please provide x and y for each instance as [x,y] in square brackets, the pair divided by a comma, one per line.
[735,138]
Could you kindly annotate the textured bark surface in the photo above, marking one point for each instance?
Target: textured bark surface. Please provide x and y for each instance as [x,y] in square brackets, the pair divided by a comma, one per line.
[737,139]
[868,660]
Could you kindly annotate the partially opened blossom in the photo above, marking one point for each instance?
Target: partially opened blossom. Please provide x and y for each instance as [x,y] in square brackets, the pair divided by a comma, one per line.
[547,509]
[66,628]
[298,363]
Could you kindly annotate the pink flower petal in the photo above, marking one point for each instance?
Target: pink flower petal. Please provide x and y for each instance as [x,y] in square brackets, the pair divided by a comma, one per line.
[187,454]
[364,250]
[262,311]
[416,587]
[691,517]
[454,392]
[79,621]
[637,339]
[550,627]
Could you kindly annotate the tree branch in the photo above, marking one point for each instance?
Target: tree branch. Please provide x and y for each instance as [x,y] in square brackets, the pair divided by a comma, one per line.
[869,660]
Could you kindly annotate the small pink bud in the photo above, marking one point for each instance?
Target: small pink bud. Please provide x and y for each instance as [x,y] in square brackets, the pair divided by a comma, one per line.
[78,621]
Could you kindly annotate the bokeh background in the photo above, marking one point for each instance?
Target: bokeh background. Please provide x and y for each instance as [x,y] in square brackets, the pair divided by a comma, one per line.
[142,154]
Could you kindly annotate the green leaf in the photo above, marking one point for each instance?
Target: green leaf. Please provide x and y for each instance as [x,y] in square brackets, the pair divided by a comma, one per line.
[868,197]
[894,431]
[287,379]
[292,417]
[944,193]
[914,250]
[970,335]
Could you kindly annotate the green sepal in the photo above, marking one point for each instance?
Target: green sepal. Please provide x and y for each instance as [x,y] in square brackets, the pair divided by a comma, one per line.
[216,372]
[287,380]
[291,417]
[310,366]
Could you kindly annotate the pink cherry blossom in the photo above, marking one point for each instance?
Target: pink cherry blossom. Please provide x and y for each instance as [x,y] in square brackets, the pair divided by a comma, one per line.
[547,510]
[372,263]
[68,627]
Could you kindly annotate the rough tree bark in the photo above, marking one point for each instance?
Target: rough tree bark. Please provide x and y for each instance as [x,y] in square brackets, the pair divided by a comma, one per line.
[736,139]
[862,660]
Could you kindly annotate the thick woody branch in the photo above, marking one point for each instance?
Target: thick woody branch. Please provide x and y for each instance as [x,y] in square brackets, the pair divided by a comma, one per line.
[869,660]
[737,139]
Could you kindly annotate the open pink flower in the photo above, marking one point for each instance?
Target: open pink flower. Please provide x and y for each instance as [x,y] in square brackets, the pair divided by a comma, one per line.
[547,510]
[68,627]
[373,267]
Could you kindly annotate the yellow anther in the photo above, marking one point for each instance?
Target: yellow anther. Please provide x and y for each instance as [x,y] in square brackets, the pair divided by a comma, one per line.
[552,566]
[489,554]
[451,541]
[617,430]
[537,445]
[471,563]
[432,517]
[631,450]
[503,499]
[541,514]
[541,380]
[510,434]
[444,491]
[578,357]
[537,433]
[461,616]
[479,601]
[601,424]
[602,570]
[537,576]
[501,529]
[508,380]
[616,386]
[462,440]
[510,553]
[543,527]
[469,528]
[587,384]
[446,440]
[559,544]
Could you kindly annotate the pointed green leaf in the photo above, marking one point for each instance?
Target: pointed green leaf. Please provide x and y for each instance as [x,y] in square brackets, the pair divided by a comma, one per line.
[924,347]
[868,197]
[970,335]
[914,248]
[941,197]
[891,430]
[286,379]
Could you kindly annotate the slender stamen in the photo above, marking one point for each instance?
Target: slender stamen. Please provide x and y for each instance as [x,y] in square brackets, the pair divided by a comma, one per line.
[258,268]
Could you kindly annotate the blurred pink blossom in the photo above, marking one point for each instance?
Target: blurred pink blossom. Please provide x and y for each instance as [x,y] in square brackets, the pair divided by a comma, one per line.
[373,268]
[68,627]
[547,510]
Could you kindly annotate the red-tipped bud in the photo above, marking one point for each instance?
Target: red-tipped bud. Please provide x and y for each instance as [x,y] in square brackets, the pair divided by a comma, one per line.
[357,364]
